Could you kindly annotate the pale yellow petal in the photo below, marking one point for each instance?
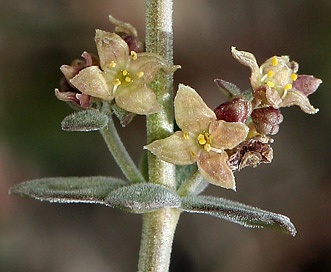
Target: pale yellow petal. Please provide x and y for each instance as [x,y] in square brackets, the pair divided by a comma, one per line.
[137,99]
[295,97]
[248,59]
[149,64]
[113,51]
[227,135]
[191,112]
[214,168]
[175,149]
[90,81]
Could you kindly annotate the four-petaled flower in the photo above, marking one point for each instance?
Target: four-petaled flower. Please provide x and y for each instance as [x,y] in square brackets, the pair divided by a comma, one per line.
[124,76]
[276,83]
[202,139]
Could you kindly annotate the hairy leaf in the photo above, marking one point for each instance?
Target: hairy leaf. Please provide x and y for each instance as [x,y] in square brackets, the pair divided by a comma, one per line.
[69,189]
[86,120]
[143,197]
[227,88]
[238,213]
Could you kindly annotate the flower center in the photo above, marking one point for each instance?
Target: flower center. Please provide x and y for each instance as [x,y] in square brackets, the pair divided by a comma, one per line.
[124,76]
[204,140]
[278,75]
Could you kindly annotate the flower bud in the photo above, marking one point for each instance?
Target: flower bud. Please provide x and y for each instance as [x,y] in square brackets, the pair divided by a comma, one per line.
[236,110]
[133,42]
[267,120]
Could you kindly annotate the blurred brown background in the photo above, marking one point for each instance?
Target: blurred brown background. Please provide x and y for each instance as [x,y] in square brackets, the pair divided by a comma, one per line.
[36,37]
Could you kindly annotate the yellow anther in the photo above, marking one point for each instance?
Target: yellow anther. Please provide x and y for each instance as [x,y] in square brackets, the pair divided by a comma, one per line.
[185,135]
[271,73]
[117,82]
[128,79]
[112,64]
[271,84]
[125,72]
[201,139]
[274,61]
[133,55]
[193,154]
[208,136]
[140,74]
[288,87]
[207,147]
[294,77]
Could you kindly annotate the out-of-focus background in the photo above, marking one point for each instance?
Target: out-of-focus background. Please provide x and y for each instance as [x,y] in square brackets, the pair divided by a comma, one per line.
[37,36]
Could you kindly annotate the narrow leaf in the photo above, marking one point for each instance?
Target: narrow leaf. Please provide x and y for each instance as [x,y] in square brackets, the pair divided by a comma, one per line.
[143,197]
[227,88]
[68,189]
[86,120]
[235,212]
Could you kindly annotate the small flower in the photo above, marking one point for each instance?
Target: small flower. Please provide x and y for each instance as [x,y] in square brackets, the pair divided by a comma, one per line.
[124,75]
[202,139]
[274,82]
[67,91]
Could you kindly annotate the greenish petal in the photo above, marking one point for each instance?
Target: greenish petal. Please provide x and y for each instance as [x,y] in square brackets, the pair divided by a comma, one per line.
[191,112]
[112,50]
[149,64]
[214,168]
[295,97]
[90,81]
[248,59]
[175,149]
[137,99]
[227,135]
[69,71]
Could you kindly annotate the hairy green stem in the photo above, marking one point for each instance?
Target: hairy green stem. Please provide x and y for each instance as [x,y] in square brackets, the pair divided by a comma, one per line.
[159,39]
[159,227]
[119,153]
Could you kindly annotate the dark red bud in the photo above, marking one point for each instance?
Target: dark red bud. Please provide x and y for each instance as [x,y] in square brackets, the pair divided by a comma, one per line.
[267,120]
[236,110]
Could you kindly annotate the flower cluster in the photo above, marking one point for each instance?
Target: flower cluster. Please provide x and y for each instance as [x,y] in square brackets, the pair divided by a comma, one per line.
[235,134]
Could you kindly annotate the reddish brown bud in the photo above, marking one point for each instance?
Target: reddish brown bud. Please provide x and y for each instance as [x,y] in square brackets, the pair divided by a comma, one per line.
[133,42]
[267,120]
[236,110]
